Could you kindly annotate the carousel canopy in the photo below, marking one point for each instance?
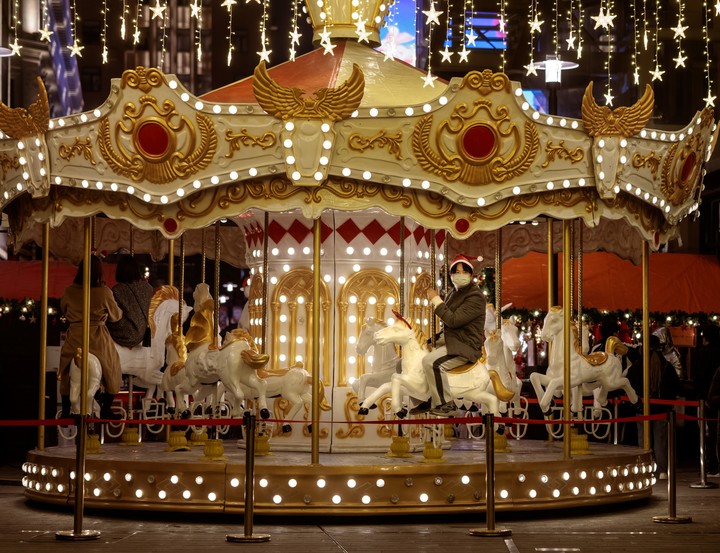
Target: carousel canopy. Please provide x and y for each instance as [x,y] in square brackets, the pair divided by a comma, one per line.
[465,156]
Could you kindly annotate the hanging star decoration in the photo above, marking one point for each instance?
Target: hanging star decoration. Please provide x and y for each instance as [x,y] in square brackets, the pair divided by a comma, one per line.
[228,4]
[362,33]
[446,55]
[45,34]
[76,49]
[429,80]
[717,7]
[535,25]
[502,24]
[433,16]
[295,37]
[609,98]
[603,19]
[571,41]
[464,54]
[136,36]
[195,9]
[530,69]
[158,10]
[390,51]
[710,99]
[680,60]
[471,37]
[264,54]
[679,30]
[636,76]
[15,47]
[657,73]
[105,55]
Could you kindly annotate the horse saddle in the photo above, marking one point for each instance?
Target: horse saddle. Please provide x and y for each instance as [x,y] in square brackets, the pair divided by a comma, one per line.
[597,358]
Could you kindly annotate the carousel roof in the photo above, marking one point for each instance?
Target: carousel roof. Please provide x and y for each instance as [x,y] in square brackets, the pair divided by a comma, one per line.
[348,132]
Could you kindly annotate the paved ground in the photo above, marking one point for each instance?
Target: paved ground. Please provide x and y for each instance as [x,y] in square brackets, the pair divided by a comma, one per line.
[26,527]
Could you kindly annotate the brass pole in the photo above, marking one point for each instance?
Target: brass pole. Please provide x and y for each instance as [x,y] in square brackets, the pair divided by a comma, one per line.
[216,319]
[498,279]
[315,369]
[171,262]
[551,271]
[77,533]
[181,286]
[580,276]
[43,332]
[433,274]
[202,261]
[266,248]
[446,262]
[402,267]
[567,321]
[646,341]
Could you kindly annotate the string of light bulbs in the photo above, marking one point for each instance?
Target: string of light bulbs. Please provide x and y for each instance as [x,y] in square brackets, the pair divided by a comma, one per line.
[535,27]
[636,40]
[432,19]
[228,4]
[502,29]
[103,33]
[679,34]
[136,23]
[76,48]
[608,60]
[264,53]
[45,32]
[709,99]
[657,73]
[295,35]
[446,53]
[15,45]
[196,13]
[123,19]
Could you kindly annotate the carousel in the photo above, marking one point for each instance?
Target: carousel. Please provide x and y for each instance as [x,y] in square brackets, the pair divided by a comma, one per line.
[353,182]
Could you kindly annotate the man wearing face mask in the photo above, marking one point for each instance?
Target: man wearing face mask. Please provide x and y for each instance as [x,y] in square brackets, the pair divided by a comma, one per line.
[463,319]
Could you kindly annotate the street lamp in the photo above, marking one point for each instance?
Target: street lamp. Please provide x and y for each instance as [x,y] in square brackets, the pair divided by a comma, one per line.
[553,67]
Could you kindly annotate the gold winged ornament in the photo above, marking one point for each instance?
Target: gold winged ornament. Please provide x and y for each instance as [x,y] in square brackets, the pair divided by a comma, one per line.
[20,122]
[294,103]
[624,121]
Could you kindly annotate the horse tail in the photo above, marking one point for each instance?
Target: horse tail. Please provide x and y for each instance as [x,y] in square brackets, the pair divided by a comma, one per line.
[501,392]
[615,345]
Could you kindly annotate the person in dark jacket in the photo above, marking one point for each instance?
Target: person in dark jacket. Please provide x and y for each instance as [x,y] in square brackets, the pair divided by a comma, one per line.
[133,294]
[707,361]
[463,319]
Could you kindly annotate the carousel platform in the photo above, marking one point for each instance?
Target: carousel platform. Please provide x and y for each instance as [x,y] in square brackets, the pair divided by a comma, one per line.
[529,475]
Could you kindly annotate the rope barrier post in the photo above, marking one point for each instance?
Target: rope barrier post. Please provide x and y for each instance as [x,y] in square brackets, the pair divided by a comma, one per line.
[490,531]
[703,484]
[249,421]
[671,517]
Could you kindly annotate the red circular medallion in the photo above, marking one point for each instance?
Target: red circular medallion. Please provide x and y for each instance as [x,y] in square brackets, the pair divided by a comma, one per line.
[170,225]
[688,167]
[462,225]
[153,139]
[479,141]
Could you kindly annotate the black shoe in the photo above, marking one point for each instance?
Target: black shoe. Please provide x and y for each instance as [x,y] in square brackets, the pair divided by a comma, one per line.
[421,408]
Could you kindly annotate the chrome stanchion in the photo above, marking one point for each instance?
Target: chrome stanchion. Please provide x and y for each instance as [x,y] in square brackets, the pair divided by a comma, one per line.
[248,536]
[490,531]
[671,517]
[703,484]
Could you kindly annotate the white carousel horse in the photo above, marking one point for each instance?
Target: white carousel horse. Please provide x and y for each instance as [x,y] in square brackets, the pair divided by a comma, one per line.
[385,360]
[145,363]
[234,364]
[94,375]
[473,383]
[600,369]
[500,349]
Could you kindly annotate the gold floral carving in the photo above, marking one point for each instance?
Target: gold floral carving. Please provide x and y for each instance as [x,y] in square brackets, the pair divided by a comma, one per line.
[79,147]
[294,103]
[354,430]
[512,155]
[381,140]
[623,121]
[486,82]
[171,165]
[143,79]
[561,151]
[676,187]
[7,163]
[20,122]
[235,140]
[651,161]
[650,218]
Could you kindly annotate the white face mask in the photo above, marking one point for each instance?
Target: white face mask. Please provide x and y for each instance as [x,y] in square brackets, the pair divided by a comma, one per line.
[460,280]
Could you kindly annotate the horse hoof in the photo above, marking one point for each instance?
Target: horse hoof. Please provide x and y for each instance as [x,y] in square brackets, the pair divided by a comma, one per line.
[363,411]
[373,406]
[171,410]
[286,428]
[401,414]
[473,408]
[500,429]
[185,414]
[264,414]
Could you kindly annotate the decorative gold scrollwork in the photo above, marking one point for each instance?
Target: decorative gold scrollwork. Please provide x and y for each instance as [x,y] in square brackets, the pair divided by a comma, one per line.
[354,430]
[146,160]
[621,121]
[680,170]
[486,82]
[561,151]
[7,163]
[79,147]
[235,140]
[144,79]
[650,160]
[381,140]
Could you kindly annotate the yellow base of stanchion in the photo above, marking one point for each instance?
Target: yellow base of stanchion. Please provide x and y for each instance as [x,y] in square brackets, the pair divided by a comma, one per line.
[255,538]
[130,436]
[177,441]
[92,446]
[501,443]
[400,447]
[214,451]
[432,454]
[449,432]
[199,438]
[578,443]
[70,535]
[488,533]
[667,519]
[262,446]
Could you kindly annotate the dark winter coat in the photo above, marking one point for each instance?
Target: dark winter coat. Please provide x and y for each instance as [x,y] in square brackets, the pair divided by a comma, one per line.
[463,317]
[134,300]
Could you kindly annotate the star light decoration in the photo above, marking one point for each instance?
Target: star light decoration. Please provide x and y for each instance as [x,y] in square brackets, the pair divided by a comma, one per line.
[158,10]
[76,49]
[603,19]
[15,47]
